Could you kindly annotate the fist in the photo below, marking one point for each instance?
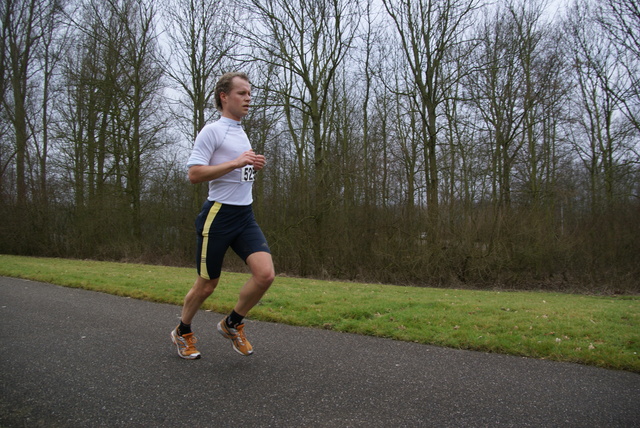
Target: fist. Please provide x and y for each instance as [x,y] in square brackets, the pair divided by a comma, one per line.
[259,162]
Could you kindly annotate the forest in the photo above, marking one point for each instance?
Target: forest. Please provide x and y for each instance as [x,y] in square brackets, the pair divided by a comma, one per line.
[446,143]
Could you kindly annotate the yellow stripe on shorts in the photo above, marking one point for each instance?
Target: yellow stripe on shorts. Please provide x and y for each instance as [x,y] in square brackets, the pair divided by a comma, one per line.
[205,239]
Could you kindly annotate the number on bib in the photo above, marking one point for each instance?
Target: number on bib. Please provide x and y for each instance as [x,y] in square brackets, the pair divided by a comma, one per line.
[248,173]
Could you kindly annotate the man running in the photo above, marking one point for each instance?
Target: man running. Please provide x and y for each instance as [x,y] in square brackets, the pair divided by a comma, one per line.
[222,156]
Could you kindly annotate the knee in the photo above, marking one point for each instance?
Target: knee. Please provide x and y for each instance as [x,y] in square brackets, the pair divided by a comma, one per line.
[262,270]
[264,278]
[205,287]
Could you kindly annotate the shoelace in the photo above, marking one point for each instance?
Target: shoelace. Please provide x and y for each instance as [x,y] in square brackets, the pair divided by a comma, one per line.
[237,336]
[191,341]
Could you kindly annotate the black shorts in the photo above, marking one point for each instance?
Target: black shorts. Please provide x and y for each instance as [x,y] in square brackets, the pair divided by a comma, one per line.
[220,226]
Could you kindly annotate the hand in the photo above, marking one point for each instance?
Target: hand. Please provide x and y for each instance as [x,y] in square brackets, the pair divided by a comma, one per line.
[246,158]
[259,162]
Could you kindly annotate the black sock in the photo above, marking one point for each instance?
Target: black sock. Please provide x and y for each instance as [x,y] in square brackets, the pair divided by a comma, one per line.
[184,329]
[234,319]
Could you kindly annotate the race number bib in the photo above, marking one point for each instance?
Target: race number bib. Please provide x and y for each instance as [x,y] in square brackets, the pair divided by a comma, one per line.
[248,173]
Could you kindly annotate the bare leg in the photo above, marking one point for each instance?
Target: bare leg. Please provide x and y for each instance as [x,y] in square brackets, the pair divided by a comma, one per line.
[201,289]
[262,275]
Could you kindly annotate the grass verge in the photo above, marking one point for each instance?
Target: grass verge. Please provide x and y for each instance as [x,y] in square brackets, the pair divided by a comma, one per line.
[602,331]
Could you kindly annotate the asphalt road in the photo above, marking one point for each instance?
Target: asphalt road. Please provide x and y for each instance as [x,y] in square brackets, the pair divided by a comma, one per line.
[75,358]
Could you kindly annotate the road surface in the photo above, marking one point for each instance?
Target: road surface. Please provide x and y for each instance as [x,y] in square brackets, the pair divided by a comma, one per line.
[76,358]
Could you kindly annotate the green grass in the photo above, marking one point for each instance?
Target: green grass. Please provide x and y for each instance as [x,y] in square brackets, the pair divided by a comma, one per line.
[602,331]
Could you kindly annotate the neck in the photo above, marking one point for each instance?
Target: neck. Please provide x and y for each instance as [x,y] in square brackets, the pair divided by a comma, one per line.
[231,116]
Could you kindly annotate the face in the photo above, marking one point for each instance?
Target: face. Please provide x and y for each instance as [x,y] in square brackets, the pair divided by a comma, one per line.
[235,104]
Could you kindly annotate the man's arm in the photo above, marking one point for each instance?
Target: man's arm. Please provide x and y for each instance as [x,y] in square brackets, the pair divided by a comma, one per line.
[203,173]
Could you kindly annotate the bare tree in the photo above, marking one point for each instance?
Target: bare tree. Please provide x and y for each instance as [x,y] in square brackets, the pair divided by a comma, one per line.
[141,119]
[428,30]
[6,150]
[22,35]
[5,21]
[546,117]
[92,77]
[602,136]
[113,120]
[372,41]
[620,19]
[519,73]
[307,42]
[55,38]
[497,90]
[465,158]
[539,59]
[200,44]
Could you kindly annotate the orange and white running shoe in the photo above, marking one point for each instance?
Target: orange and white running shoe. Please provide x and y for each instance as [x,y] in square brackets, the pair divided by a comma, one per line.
[239,341]
[185,344]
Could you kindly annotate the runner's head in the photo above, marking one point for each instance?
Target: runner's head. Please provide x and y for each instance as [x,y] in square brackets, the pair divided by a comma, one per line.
[225,85]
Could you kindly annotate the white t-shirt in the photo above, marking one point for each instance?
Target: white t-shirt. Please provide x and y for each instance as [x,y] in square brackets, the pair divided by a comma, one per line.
[219,142]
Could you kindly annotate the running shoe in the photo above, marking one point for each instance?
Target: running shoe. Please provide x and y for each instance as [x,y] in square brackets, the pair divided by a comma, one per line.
[239,341]
[185,344]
